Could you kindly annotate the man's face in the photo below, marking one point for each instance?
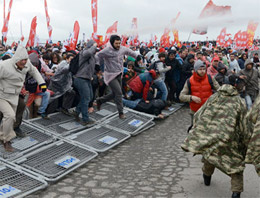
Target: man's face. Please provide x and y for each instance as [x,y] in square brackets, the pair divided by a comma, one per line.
[21,64]
[215,63]
[220,55]
[171,56]
[46,61]
[162,59]
[117,44]
[201,71]
[232,57]
[222,71]
[199,56]
[249,66]
[69,59]
[191,60]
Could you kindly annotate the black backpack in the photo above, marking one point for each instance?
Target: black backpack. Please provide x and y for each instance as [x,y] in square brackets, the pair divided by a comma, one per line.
[153,66]
[31,84]
[74,65]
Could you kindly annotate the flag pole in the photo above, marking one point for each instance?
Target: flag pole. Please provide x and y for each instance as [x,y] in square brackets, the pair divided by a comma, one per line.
[189,35]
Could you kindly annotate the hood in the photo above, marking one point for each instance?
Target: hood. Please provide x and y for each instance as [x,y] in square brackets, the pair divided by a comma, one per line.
[149,55]
[228,90]
[153,73]
[20,54]
[248,61]
[34,59]
[90,43]
[221,66]
[215,58]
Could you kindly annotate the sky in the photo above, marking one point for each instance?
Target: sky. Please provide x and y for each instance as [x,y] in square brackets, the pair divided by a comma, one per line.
[152,16]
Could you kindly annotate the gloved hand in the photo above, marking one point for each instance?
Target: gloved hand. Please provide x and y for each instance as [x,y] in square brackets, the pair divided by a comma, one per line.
[43,87]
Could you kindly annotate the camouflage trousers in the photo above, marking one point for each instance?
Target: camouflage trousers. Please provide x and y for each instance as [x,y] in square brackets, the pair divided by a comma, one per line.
[236,179]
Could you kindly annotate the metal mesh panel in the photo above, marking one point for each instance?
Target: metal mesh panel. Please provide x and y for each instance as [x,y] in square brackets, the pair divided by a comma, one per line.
[107,110]
[132,124]
[58,124]
[100,138]
[35,138]
[172,109]
[42,161]
[148,126]
[19,180]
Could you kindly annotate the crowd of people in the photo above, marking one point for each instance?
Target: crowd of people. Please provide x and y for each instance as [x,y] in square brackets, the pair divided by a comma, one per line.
[220,84]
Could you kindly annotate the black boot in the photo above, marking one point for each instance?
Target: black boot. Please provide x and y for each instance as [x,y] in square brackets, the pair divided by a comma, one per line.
[19,132]
[236,195]
[207,180]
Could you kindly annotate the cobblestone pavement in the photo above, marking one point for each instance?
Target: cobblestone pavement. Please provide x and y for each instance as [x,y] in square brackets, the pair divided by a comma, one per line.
[148,165]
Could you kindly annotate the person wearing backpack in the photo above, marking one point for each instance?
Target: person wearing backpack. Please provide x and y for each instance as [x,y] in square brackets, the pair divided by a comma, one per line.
[198,88]
[82,81]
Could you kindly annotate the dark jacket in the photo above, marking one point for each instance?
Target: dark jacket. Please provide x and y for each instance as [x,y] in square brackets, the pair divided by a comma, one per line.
[220,77]
[87,61]
[187,67]
[154,107]
[174,73]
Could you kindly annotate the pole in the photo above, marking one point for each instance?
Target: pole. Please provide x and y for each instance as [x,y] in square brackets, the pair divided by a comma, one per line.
[189,35]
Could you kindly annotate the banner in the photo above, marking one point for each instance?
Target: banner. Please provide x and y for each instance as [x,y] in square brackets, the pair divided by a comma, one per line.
[6,21]
[111,30]
[94,17]
[165,38]
[221,38]
[48,21]
[211,10]
[32,35]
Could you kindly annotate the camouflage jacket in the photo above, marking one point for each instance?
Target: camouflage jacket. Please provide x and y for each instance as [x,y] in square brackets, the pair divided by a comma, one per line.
[253,124]
[218,132]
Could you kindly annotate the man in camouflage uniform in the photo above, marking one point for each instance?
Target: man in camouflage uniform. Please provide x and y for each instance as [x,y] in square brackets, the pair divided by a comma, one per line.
[253,124]
[218,134]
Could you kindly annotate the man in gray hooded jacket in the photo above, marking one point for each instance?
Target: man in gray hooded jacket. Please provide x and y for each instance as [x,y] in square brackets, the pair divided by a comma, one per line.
[12,76]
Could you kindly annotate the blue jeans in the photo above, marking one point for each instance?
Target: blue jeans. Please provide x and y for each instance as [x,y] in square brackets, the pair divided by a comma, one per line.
[160,84]
[248,101]
[45,101]
[131,103]
[84,88]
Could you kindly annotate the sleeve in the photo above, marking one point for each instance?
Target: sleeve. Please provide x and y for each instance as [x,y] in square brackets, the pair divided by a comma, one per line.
[161,68]
[87,53]
[215,84]
[146,89]
[130,52]
[184,95]
[100,55]
[35,73]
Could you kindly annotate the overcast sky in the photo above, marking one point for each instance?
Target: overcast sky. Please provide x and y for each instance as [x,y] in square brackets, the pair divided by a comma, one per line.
[152,16]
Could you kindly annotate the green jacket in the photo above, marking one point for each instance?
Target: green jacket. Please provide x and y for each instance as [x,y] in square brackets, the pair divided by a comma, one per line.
[218,131]
[253,124]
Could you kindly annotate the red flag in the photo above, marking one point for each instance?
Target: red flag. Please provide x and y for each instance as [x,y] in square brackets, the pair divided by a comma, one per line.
[48,20]
[244,39]
[6,21]
[165,38]
[72,41]
[176,38]
[221,37]
[251,28]
[111,30]
[208,11]
[237,39]
[32,35]
[22,37]
[124,40]
[94,16]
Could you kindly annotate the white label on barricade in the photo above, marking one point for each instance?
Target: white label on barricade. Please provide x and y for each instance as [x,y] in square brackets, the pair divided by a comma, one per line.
[108,140]
[171,108]
[67,161]
[136,123]
[25,143]
[104,112]
[70,125]
[8,191]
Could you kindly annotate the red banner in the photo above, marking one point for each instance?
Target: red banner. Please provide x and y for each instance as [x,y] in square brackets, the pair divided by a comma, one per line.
[94,16]
[208,11]
[251,28]
[32,35]
[6,21]
[221,38]
[48,20]
[111,30]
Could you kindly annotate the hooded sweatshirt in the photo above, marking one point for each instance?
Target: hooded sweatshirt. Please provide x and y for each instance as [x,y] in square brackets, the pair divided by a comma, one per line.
[12,79]
[87,61]
[113,61]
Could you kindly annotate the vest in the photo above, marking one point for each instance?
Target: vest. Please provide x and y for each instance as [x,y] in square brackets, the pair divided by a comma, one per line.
[200,87]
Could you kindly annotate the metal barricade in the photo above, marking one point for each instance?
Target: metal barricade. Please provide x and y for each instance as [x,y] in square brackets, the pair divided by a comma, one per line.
[34,139]
[56,160]
[148,126]
[59,124]
[133,122]
[99,138]
[107,110]
[172,109]
[16,182]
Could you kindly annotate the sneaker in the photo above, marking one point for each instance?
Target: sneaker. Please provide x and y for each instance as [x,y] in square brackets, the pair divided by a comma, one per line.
[122,116]
[76,116]
[87,123]
[19,132]
[207,180]
[99,105]
[8,147]
[236,195]
[44,116]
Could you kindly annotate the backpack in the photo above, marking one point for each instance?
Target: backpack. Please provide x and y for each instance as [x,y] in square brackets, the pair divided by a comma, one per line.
[210,82]
[31,84]
[74,65]
[153,66]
